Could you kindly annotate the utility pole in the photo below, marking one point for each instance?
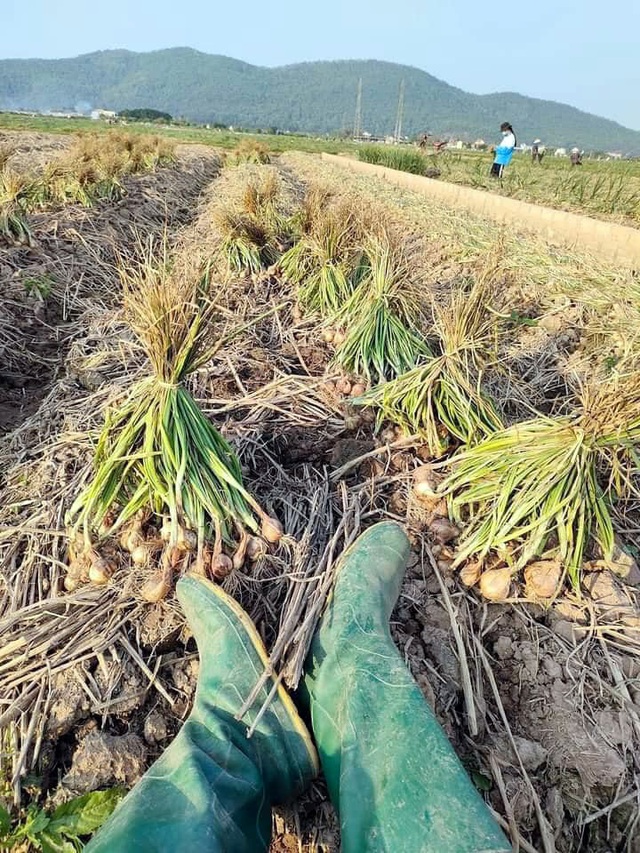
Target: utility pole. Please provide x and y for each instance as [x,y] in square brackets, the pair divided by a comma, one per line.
[400,113]
[357,121]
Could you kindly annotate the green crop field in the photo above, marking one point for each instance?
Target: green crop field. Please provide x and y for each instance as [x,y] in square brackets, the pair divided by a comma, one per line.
[607,189]
[215,137]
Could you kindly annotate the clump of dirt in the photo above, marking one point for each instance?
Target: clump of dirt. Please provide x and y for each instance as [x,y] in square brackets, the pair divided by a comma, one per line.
[104,761]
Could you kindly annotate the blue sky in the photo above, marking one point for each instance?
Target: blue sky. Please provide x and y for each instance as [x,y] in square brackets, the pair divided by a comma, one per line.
[583,53]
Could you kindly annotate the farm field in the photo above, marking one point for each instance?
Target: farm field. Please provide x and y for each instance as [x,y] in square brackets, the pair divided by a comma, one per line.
[603,189]
[215,137]
[608,190]
[350,352]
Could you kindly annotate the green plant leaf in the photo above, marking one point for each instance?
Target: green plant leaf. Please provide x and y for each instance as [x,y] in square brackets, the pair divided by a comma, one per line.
[85,814]
[51,841]
[5,822]
[35,822]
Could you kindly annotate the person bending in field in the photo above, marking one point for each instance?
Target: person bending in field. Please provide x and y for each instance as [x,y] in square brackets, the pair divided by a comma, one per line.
[576,157]
[504,151]
[537,151]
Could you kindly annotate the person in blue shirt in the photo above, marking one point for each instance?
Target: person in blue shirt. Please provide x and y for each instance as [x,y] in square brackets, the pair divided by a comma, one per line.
[504,151]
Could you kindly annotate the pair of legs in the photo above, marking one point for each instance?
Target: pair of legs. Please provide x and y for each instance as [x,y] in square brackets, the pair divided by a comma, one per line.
[392,775]
[496,170]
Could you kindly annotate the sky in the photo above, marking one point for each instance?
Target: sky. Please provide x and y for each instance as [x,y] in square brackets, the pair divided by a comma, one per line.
[586,54]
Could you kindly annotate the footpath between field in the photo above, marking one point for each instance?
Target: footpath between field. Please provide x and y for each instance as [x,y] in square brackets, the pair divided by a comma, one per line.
[618,243]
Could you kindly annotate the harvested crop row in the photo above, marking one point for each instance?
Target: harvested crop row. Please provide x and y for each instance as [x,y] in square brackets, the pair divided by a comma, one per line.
[92,169]
[538,513]
[270,392]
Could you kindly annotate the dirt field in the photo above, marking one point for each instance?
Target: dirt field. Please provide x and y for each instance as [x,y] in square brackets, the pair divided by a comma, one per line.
[542,703]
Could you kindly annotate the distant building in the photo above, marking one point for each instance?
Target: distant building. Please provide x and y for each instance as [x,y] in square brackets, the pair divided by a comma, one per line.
[61,114]
[479,145]
[96,115]
[560,152]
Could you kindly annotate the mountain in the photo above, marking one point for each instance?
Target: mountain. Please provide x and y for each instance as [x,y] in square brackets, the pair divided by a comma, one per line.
[311,97]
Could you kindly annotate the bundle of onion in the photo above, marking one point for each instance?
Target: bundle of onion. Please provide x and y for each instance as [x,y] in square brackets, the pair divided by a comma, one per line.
[246,245]
[254,229]
[380,317]
[441,397]
[549,482]
[15,190]
[261,200]
[157,453]
[327,262]
[250,151]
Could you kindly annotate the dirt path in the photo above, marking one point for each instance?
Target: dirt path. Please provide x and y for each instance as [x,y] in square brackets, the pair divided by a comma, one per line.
[609,241]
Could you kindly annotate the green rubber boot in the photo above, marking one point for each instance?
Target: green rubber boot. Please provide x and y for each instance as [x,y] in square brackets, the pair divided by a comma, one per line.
[392,775]
[213,788]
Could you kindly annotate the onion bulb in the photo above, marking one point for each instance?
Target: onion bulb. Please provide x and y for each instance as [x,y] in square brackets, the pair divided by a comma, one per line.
[187,539]
[470,573]
[271,529]
[256,548]
[338,338]
[156,588]
[343,386]
[132,536]
[141,555]
[358,389]
[424,482]
[240,552]
[495,584]
[327,335]
[221,566]
[100,570]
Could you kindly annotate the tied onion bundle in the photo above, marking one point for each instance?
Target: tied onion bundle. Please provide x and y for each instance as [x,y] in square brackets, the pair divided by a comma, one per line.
[550,482]
[435,400]
[253,229]
[442,397]
[157,453]
[14,198]
[326,263]
[381,339]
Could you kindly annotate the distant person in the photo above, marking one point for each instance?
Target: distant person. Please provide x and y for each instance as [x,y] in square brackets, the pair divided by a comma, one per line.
[576,157]
[537,151]
[504,151]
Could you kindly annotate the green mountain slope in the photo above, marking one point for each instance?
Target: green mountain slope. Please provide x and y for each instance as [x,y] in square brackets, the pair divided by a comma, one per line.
[313,96]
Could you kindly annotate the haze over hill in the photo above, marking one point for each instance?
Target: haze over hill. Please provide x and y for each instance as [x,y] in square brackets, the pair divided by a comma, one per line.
[308,97]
